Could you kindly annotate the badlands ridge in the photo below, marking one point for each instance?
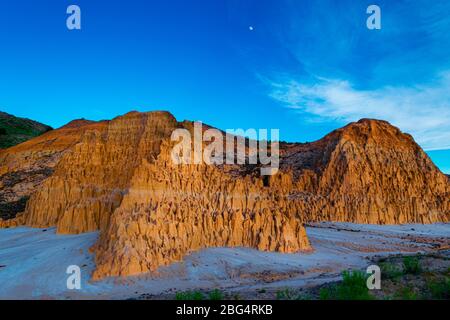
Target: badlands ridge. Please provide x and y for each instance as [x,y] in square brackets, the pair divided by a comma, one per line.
[117,177]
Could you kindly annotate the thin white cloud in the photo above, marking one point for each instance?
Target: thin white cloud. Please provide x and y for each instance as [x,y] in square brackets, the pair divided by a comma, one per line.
[422,110]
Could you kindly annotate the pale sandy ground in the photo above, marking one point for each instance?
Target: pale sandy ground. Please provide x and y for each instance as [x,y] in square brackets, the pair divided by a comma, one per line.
[33,262]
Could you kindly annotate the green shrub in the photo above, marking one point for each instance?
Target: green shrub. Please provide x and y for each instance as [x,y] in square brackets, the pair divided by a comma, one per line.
[411,265]
[189,295]
[406,293]
[304,297]
[440,289]
[216,294]
[389,271]
[328,293]
[285,294]
[352,287]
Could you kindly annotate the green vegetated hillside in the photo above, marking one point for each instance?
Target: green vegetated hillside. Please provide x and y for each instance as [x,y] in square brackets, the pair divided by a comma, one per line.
[14,130]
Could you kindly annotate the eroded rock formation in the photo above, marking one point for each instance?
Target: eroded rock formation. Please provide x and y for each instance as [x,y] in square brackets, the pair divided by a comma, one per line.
[173,209]
[117,177]
[90,181]
[367,172]
[24,167]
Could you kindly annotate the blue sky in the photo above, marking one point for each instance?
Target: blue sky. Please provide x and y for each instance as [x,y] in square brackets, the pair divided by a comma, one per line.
[305,67]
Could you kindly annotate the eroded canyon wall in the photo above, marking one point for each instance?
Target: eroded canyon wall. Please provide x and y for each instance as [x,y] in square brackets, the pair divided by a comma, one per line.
[367,172]
[90,181]
[24,167]
[171,210]
[117,177]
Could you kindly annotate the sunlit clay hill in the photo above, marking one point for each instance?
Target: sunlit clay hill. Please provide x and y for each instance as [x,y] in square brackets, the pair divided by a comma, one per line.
[118,177]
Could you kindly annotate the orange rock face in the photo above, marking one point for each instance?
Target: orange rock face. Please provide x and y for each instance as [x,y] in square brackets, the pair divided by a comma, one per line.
[173,209]
[367,172]
[117,177]
[90,181]
[24,167]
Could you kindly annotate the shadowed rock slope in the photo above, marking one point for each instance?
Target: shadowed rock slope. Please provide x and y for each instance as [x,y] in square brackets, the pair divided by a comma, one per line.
[117,177]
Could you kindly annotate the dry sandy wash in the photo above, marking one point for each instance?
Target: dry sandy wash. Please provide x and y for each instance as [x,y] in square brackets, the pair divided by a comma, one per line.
[33,263]
[117,177]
